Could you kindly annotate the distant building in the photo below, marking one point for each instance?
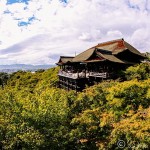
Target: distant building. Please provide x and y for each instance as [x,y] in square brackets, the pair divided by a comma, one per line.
[100,62]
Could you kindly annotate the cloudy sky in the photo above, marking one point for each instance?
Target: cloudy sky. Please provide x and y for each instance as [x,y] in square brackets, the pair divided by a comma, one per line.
[39,31]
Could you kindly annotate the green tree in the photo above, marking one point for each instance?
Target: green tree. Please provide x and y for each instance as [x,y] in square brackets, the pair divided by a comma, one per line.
[140,72]
[3,78]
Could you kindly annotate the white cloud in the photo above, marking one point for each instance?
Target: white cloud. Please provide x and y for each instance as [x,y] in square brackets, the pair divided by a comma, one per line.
[62,29]
[142,36]
[114,34]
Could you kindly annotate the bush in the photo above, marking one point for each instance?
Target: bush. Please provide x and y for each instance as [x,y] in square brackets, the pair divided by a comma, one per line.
[140,72]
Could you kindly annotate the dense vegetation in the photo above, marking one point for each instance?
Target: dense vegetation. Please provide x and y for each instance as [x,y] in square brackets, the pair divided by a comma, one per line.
[35,114]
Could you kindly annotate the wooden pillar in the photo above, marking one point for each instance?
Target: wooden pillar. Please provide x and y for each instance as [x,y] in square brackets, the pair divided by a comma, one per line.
[68,84]
[78,74]
[76,85]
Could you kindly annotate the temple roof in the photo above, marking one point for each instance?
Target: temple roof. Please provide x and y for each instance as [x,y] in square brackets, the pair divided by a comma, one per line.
[84,55]
[117,46]
[110,57]
[107,50]
[64,59]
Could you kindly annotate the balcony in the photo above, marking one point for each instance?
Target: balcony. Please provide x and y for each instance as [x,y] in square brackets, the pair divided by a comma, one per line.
[69,74]
[77,75]
[98,74]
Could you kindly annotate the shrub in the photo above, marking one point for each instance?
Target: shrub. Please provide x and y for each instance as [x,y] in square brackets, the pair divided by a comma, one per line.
[140,72]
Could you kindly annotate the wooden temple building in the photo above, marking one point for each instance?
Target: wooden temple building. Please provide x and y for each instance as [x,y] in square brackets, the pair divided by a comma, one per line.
[98,63]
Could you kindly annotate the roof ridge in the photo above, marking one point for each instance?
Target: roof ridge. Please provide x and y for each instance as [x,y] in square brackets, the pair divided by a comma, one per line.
[90,49]
[112,41]
[86,50]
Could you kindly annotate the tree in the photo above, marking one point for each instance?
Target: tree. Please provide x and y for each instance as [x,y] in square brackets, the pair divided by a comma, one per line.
[140,72]
[3,78]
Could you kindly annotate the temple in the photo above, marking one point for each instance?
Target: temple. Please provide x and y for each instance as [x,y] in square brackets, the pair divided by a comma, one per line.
[101,62]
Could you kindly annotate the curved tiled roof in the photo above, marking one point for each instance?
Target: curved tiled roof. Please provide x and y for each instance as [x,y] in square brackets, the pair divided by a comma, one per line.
[117,46]
[65,59]
[132,49]
[113,46]
[84,55]
[107,51]
[110,57]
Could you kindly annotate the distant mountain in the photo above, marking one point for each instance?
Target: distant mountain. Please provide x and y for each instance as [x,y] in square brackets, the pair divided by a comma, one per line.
[24,67]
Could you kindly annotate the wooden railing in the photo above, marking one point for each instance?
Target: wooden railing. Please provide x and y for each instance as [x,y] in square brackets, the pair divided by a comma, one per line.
[72,75]
[98,74]
[83,74]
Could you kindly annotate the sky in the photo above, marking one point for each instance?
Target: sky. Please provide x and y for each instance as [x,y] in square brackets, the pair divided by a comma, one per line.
[39,31]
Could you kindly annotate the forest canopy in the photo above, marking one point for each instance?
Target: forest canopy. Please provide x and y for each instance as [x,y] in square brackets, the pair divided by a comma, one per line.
[36,115]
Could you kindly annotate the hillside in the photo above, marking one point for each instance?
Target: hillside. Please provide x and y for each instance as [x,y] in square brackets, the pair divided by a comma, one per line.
[35,114]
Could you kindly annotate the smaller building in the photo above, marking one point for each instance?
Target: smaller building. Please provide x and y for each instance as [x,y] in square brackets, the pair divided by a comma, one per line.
[98,63]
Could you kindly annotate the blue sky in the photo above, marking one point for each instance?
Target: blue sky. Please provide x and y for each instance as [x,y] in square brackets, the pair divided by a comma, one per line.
[9,2]
[39,31]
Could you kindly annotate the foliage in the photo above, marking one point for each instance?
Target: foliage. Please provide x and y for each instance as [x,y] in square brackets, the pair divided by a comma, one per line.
[147,54]
[35,114]
[141,71]
[134,129]
[3,79]
[129,95]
